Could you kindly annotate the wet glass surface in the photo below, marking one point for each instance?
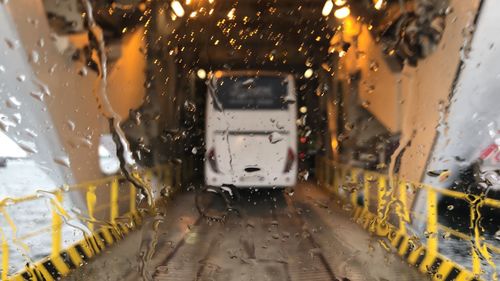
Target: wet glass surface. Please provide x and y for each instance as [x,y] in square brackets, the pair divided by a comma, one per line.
[249,140]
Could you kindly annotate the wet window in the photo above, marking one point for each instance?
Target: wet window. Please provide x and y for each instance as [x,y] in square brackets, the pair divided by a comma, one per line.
[249,140]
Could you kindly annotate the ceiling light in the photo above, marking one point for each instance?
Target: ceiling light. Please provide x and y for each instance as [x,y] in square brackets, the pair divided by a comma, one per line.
[230,14]
[201,73]
[378,4]
[342,13]
[327,8]
[177,7]
[308,73]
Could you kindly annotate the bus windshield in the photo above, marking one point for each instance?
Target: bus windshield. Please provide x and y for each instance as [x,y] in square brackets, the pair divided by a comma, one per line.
[262,92]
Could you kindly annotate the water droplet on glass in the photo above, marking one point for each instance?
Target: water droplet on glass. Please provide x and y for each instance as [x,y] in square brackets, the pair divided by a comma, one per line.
[83,71]
[21,78]
[374,66]
[304,175]
[17,117]
[34,57]
[497,235]
[436,173]
[6,123]
[347,207]
[349,126]
[450,207]
[275,137]
[71,125]
[12,102]
[28,146]
[444,175]
[2,69]
[194,150]
[41,43]
[62,160]
[12,44]
[31,133]
[37,95]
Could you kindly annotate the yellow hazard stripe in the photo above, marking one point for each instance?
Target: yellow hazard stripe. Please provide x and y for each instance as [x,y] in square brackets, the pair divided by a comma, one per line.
[427,260]
[87,248]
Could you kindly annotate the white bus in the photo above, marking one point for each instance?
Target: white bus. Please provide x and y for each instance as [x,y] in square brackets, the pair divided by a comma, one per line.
[251,133]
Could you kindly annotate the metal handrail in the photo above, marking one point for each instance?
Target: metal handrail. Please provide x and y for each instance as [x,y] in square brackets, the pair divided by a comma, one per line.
[478,248]
[58,212]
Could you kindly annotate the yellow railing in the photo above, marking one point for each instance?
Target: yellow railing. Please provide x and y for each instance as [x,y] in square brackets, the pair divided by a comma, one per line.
[347,182]
[59,214]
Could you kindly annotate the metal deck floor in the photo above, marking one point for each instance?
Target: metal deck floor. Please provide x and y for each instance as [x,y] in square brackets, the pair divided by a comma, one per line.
[276,237]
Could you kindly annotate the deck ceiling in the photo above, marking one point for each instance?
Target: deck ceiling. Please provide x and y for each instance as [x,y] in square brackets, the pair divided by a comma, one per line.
[261,34]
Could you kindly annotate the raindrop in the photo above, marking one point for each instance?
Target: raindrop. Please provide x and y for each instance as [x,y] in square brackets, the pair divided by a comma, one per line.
[6,123]
[83,71]
[374,66]
[28,146]
[2,69]
[497,235]
[34,57]
[349,126]
[71,125]
[304,175]
[427,234]
[62,160]
[371,89]
[444,175]
[31,133]
[365,104]
[194,150]
[41,43]
[347,207]
[17,117]
[189,106]
[12,44]
[450,207]
[21,78]
[37,95]
[275,137]
[12,102]
[436,173]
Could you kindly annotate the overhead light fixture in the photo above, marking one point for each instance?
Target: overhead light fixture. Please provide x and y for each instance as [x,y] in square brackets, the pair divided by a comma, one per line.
[308,73]
[230,14]
[340,2]
[342,13]
[201,73]
[327,8]
[378,4]
[177,8]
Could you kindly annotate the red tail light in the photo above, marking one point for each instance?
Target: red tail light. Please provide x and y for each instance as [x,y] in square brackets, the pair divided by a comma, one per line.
[290,158]
[212,160]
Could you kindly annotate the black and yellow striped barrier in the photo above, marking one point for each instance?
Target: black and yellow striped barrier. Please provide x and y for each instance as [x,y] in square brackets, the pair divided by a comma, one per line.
[61,261]
[384,211]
